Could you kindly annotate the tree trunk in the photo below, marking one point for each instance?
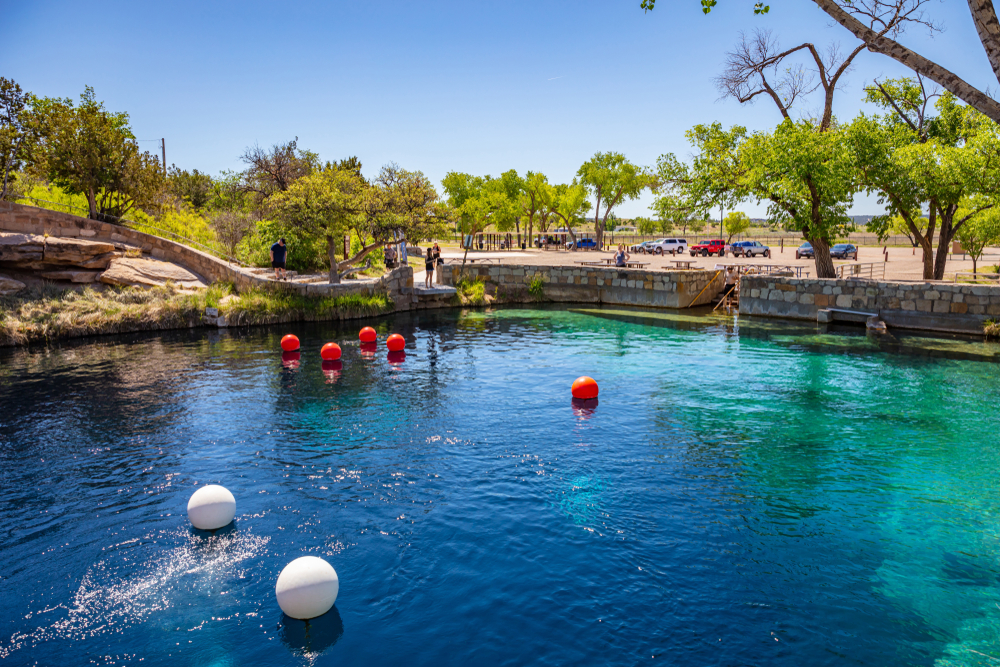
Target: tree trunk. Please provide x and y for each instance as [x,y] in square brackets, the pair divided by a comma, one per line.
[331,253]
[824,263]
[944,242]
[985,18]
[92,203]
[945,78]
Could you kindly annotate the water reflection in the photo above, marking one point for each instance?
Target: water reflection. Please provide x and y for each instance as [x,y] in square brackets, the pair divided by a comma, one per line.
[332,369]
[311,639]
[368,350]
[584,408]
[290,360]
[397,357]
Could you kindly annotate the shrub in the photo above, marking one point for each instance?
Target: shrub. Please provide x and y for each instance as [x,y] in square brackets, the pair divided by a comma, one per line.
[305,252]
[471,291]
[537,288]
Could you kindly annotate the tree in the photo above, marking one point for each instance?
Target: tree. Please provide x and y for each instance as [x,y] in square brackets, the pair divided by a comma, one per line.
[480,202]
[193,187]
[611,179]
[273,170]
[12,130]
[570,205]
[716,172]
[697,225]
[646,226]
[88,150]
[878,23]
[808,178]
[321,204]
[980,231]
[914,160]
[736,222]
[532,196]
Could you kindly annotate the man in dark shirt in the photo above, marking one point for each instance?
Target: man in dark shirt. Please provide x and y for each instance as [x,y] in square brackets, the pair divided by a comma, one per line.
[278,251]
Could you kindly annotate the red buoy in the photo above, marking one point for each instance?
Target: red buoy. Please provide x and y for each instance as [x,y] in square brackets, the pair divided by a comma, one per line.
[395,343]
[585,388]
[367,335]
[290,343]
[330,352]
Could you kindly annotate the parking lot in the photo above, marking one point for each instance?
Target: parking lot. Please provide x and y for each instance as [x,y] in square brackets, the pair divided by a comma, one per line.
[903,263]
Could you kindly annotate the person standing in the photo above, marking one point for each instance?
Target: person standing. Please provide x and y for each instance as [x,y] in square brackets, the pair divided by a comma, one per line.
[428,266]
[437,258]
[278,253]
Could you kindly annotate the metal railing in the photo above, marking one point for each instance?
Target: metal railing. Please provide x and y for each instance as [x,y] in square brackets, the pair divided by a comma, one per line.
[970,277]
[133,225]
[869,271]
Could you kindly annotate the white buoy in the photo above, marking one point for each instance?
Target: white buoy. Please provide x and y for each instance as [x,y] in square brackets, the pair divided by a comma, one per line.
[307,587]
[211,507]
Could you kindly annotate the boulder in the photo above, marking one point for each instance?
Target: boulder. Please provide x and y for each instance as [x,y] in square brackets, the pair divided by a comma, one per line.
[100,261]
[21,248]
[10,286]
[68,250]
[148,273]
[72,276]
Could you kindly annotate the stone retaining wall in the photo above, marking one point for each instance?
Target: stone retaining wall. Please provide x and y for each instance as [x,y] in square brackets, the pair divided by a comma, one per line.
[932,306]
[31,220]
[663,289]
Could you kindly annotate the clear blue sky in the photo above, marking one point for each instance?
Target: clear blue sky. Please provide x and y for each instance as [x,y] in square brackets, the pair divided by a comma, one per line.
[434,86]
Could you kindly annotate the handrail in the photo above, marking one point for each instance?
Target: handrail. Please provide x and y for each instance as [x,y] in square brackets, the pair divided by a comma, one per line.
[867,269]
[209,249]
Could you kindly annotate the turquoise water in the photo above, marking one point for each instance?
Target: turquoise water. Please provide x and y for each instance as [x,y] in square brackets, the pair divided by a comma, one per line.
[744,493]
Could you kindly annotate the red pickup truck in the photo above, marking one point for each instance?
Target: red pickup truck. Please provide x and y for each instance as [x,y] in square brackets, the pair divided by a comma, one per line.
[712,247]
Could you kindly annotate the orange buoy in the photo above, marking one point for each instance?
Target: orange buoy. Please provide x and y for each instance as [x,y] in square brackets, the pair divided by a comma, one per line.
[585,388]
[290,343]
[330,352]
[367,335]
[395,343]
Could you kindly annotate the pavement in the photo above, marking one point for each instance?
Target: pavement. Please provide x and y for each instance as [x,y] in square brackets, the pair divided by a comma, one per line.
[903,263]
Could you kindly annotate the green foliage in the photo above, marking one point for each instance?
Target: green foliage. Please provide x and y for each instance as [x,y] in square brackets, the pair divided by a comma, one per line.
[611,179]
[184,222]
[980,230]
[192,187]
[479,202]
[55,198]
[13,102]
[88,150]
[470,291]
[537,288]
[735,222]
[266,305]
[647,226]
[306,252]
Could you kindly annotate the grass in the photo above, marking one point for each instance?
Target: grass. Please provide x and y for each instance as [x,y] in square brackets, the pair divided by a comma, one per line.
[991,328]
[260,305]
[41,314]
[47,313]
[471,291]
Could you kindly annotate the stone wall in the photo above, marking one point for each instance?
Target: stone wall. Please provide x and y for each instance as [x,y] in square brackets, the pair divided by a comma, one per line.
[31,220]
[932,306]
[635,287]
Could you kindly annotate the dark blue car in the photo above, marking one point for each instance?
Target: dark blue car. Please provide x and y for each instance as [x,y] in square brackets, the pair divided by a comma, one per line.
[582,243]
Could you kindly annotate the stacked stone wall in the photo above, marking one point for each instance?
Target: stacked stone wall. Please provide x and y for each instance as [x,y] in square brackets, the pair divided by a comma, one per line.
[933,306]
[664,289]
[31,220]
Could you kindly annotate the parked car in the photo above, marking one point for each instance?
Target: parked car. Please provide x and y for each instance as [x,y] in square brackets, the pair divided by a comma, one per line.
[641,247]
[805,250]
[844,251]
[582,243]
[672,246]
[710,247]
[750,249]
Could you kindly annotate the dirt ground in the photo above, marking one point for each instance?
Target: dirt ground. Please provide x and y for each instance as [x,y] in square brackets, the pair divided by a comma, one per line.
[903,264]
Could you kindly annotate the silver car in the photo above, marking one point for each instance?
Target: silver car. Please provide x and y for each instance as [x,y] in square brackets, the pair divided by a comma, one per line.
[751,249]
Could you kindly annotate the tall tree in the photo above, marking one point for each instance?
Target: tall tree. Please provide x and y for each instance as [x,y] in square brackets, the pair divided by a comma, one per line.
[917,160]
[534,187]
[736,222]
[569,205]
[480,202]
[13,102]
[273,170]
[879,24]
[193,186]
[88,150]
[612,179]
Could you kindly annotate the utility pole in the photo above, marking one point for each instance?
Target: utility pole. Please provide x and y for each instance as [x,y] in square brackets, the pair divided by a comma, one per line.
[163,149]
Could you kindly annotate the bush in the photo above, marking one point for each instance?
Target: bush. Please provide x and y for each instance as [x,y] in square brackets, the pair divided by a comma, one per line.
[537,288]
[305,253]
[471,292]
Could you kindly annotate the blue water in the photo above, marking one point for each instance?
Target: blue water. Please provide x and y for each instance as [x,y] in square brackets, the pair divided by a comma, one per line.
[743,494]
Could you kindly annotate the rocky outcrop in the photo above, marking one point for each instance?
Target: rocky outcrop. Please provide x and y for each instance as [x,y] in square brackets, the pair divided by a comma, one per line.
[73,252]
[10,286]
[148,273]
[21,249]
[72,276]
